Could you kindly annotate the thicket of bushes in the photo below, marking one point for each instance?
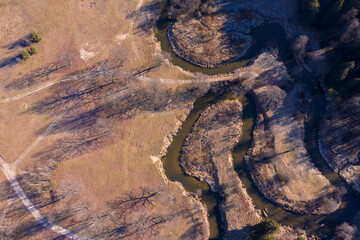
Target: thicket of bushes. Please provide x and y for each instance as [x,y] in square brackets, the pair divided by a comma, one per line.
[25,54]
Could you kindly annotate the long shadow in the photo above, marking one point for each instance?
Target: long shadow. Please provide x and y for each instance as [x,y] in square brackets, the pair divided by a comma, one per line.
[350,202]
[10,61]
[38,75]
[17,221]
[322,225]
[146,16]
[120,219]
[19,44]
[108,98]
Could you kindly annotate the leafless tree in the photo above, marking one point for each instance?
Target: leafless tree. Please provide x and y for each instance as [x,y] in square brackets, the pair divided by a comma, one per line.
[272,98]
[182,8]
[350,15]
[345,231]
[351,32]
[132,201]
[299,48]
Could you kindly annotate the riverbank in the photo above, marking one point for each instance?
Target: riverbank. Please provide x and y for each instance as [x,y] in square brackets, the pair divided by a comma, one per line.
[207,155]
[214,40]
[200,212]
[252,77]
[278,161]
[339,139]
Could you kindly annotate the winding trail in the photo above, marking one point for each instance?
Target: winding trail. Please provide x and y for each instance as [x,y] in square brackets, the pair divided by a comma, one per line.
[10,169]
[10,172]
[15,185]
[49,84]
[41,137]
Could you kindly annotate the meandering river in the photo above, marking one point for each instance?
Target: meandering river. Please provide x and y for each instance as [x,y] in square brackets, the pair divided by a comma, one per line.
[312,223]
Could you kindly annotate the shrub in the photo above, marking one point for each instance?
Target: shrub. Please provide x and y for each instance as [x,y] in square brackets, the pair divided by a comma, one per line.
[33,50]
[269,237]
[282,178]
[272,98]
[300,238]
[35,36]
[269,226]
[266,230]
[25,54]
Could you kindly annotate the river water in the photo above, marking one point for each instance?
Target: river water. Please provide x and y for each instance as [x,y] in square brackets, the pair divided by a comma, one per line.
[324,225]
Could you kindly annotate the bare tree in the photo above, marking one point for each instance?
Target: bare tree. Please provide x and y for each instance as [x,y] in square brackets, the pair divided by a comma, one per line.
[183,8]
[345,231]
[351,32]
[299,48]
[350,15]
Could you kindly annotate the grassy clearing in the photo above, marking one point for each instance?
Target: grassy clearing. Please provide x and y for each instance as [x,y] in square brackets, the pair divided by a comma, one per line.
[18,128]
[72,41]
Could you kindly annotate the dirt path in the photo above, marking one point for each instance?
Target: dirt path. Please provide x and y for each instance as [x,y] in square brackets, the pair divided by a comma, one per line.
[15,185]
[49,84]
[10,172]
[41,137]
[228,77]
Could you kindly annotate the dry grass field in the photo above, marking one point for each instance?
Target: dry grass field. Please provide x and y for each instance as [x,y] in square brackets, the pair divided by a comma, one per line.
[81,148]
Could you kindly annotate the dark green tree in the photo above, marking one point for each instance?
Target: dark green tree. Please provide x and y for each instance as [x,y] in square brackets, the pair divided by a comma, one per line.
[33,50]
[25,54]
[266,230]
[36,37]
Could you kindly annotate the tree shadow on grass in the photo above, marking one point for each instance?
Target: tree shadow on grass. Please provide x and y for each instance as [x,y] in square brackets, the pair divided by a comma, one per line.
[20,43]
[147,16]
[37,76]
[9,62]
